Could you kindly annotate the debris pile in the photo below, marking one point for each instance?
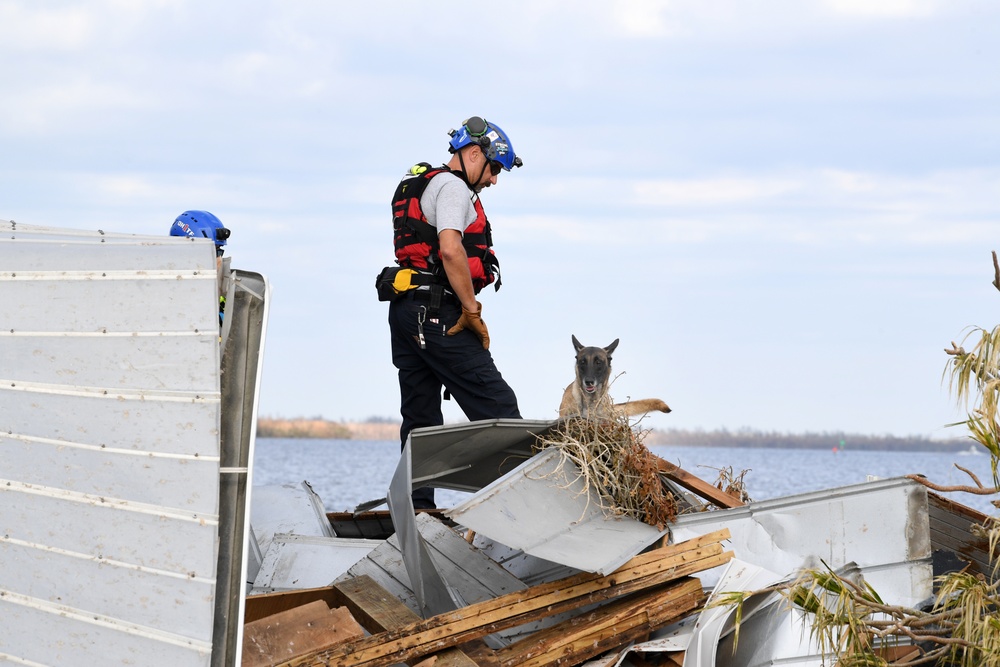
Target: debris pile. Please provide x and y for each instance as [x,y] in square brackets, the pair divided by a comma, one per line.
[543,565]
[594,614]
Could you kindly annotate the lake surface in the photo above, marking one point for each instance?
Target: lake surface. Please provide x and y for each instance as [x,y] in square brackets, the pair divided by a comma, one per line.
[347,472]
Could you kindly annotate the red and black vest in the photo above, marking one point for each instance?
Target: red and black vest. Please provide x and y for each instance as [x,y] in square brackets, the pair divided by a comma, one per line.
[416,240]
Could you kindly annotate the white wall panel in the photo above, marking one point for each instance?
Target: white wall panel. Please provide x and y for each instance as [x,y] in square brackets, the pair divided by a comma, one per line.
[109,458]
[182,423]
[137,477]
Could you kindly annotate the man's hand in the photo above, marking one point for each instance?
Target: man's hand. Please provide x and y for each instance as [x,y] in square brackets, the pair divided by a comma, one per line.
[473,321]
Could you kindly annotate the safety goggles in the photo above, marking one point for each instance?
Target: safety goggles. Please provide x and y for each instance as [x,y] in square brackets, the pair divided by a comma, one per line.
[495,167]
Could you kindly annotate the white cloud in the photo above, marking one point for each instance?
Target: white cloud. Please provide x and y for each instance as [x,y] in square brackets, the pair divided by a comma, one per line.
[25,27]
[42,27]
[883,8]
[713,191]
[46,107]
[643,18]
[805,207]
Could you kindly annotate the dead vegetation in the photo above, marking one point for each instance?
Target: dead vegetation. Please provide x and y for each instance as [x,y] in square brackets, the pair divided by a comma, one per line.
[961,627]
[614,463]
[730,483]
[850,620]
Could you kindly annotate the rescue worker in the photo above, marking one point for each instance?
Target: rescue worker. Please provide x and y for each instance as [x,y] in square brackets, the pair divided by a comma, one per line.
[444,258]
[202,224]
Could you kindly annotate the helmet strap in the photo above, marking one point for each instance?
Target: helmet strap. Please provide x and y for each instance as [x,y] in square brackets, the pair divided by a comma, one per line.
[465,172]
[482,172]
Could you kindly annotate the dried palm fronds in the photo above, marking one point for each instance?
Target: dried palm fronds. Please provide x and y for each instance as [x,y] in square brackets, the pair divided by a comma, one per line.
[614,463]
[731,483]
[850,620]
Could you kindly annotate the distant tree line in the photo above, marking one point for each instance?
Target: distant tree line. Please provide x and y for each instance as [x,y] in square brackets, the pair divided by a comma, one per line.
[745,437]
[386,428]
[301,428]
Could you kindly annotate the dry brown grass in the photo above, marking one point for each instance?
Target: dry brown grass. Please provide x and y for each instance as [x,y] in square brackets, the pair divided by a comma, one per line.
[324,428]
[613,462]
[301,428]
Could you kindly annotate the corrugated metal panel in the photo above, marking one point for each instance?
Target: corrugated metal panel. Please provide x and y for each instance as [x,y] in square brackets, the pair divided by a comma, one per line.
[467,457]
[109,447]
[287,508]
[294,562]
[464,457]
[545,509]
[880,525]
[953,539]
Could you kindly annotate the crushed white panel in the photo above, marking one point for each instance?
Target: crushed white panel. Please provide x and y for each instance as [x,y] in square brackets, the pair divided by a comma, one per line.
[463,457]
[469,456]
[880,525]
[294,562]
[545,509]
[287,508]
[527,568]
[109,447]
[714,622]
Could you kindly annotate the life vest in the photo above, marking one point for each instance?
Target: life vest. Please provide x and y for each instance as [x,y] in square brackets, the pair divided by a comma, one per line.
[416,241]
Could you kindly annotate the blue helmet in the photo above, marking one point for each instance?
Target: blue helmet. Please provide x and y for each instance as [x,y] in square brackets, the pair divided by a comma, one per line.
[197,224]
[488,136]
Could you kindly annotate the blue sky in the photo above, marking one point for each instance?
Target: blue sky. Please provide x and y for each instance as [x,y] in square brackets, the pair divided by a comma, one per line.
[784,210]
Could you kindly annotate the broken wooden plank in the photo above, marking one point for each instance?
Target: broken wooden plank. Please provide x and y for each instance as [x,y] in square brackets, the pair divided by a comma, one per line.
[617,623]
[895,655]
[378,611]
[296,632]
[474,621]
[257,607]
[672,659]
[697,485]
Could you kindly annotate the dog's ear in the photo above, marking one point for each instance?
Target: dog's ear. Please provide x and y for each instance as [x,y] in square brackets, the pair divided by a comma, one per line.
[577,345]
[611,348]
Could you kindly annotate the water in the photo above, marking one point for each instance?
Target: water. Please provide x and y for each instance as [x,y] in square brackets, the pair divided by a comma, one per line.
[347,472]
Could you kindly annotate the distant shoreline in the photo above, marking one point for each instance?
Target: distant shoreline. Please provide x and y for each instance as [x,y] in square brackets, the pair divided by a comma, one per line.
[383,430]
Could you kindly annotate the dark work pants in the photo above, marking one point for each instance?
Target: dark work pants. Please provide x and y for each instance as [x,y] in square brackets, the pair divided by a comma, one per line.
[458,363]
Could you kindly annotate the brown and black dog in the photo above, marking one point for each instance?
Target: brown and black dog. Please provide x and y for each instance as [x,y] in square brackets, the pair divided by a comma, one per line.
[587,396]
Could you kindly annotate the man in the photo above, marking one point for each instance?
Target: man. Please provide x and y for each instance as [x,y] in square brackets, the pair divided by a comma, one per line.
[443,251]
[202,224]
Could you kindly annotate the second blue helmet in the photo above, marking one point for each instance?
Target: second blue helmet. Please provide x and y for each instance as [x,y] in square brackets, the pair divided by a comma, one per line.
[198,224]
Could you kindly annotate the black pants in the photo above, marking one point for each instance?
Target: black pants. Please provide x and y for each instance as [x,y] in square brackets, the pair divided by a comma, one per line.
[458,363]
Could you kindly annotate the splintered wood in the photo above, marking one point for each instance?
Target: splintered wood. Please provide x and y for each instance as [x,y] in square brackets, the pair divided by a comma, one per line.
[295,632]
[650,591]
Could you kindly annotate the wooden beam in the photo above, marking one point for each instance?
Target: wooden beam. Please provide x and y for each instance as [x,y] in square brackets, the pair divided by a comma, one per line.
[296,632]
[697,485]
[615,624]
[261,606]
[378,611]
[474,621]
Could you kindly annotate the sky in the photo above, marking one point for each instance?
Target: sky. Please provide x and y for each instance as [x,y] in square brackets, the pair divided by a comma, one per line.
[784,210]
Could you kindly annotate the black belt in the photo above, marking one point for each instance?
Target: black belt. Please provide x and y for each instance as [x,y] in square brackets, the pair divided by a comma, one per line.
[431,295]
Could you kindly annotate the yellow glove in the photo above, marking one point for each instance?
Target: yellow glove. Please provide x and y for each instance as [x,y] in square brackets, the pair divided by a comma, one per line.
[473,321]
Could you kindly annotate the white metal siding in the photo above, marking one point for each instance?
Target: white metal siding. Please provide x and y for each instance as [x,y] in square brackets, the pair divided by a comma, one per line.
[109,447]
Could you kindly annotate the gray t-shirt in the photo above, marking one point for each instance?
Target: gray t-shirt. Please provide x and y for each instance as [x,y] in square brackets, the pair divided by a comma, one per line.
[448,203]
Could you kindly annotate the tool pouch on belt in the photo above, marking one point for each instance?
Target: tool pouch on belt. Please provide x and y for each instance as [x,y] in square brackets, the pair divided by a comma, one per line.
[393,281]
